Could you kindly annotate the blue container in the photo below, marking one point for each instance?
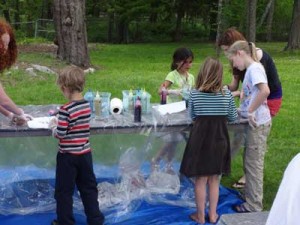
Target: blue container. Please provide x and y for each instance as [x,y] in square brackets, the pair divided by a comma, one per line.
[89,96]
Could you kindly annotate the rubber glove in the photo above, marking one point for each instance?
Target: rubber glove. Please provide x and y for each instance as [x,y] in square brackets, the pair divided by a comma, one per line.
[252,120]
[174,92]
[225,87]
[19,120]
[53,123]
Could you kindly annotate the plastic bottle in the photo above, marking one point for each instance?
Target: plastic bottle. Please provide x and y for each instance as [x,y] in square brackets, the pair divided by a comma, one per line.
[97,105]
[130,101]
[144,101]
[105,100]
[163,95]
[89,96]
[138,110]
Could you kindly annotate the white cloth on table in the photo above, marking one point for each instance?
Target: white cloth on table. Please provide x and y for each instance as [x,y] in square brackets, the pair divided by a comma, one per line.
[170,108]
[40,122]
[286,206]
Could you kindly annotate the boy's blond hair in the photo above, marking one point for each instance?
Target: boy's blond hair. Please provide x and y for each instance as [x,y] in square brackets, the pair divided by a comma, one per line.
[71,77]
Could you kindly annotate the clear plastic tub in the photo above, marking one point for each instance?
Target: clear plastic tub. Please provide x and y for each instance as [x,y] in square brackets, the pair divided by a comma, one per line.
[129,97]
[105,102]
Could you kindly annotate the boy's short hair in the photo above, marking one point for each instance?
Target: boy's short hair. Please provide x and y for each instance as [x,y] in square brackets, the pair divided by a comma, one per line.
[71,77]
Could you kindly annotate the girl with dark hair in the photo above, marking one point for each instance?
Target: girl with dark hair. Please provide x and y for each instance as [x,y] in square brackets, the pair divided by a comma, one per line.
[179,79]
[177,83]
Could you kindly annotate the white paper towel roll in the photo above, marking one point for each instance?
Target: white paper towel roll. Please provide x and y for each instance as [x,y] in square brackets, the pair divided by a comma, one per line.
[116,106]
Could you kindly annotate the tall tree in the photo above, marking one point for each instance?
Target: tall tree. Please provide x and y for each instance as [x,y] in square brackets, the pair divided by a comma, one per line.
[270,21]
[268,15]
[71,34]
[294,35]
[251,20]
[180,11]
[5,10]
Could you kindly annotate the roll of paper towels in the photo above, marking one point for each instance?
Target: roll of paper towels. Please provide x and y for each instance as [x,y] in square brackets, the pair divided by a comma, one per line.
[116,106]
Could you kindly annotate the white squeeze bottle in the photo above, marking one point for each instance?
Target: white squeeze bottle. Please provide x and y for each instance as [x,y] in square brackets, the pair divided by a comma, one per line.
[97,105]
[130,101]
[144,101]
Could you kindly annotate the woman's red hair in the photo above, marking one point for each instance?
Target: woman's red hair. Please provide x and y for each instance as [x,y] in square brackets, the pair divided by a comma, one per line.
[9,57]
[230,36]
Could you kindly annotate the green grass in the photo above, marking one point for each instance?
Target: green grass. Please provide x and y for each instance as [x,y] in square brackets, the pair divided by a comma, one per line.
[123,67]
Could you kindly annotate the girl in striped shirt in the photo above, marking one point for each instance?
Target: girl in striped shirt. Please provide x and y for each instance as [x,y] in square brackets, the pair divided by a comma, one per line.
[207,153]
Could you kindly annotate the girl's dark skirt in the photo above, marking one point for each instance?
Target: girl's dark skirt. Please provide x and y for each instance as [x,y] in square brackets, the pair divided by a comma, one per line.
[208,149]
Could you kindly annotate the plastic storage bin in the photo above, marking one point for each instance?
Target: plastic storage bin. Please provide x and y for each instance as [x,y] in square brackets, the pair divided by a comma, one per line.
[105,102]
[130,96]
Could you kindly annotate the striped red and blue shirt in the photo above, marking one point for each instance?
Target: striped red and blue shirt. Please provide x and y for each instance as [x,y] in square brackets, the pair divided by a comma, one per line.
[73,128]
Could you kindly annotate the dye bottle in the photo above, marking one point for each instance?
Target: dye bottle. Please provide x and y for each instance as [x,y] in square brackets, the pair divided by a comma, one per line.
[138,110]
[130,101]
[89,96]
[97,105]
[144,101]
[163,95]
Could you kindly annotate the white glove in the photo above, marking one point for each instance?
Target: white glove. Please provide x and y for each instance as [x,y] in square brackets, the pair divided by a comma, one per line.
[252,120]
[19,120]
[174,92]
[10,116]
[27,117]
[53,123]
[239,111]
[225,87]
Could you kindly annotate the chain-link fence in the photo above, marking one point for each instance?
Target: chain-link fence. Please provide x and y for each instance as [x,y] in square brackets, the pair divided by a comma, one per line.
[43,28]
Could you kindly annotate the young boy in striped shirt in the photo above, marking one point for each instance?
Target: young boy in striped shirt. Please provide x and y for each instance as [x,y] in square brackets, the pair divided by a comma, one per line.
[74,165]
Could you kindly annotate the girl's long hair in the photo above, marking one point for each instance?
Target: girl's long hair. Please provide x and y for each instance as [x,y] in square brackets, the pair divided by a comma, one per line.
[181,54]
[210,76]
[248,47]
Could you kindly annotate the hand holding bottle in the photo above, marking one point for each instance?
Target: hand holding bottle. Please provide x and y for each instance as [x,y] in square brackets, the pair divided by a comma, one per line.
[163,95]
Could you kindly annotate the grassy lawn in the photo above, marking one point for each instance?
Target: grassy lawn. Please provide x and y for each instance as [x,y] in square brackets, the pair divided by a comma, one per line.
[123,67]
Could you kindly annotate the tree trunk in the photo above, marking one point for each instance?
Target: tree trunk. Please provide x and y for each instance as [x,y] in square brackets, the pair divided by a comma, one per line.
[219,20]
[71,34]
[251,20]
[17,15]
[46,11]
[123,36]
[177,34]
[6,11]
[294,35]
[213,14]
[266,12]
[110,29]
[270,22]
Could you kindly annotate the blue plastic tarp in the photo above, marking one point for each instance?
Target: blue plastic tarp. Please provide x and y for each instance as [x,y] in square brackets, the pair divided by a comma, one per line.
[158,209]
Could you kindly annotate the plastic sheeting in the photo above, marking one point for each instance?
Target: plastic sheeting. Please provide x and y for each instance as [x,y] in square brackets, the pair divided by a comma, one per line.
[31,202]
[130,191]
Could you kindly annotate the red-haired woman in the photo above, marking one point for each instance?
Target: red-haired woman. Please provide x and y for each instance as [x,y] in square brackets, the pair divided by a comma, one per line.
[274,100]
[8,56]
